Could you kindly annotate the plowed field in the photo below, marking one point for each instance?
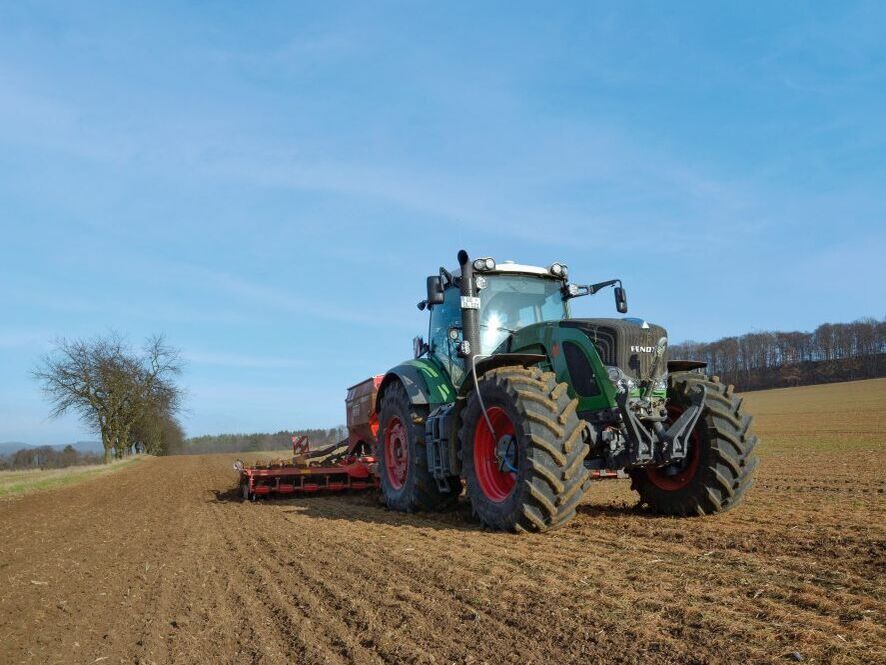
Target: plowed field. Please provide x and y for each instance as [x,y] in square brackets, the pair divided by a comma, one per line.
[160,562]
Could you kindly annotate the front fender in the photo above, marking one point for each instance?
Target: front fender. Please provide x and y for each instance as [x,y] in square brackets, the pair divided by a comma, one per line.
[424,380]
[495,361]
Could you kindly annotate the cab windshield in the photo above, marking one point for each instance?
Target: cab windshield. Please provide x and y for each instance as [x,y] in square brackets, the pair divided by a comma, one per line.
[510,302]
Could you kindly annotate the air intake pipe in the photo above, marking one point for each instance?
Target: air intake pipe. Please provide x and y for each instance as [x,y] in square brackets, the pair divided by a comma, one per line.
[470,310]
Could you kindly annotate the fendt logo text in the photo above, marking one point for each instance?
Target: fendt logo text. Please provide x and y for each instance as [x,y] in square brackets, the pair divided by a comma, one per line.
[642,349]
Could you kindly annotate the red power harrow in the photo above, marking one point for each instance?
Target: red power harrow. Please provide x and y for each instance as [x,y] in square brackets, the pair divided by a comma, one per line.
[346,465]
[334,468]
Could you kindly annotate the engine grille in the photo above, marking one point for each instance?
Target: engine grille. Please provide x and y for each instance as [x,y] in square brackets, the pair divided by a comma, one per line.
[623,344]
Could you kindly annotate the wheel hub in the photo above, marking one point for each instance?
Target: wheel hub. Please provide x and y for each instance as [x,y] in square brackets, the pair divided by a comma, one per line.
[506,453]
[396,450]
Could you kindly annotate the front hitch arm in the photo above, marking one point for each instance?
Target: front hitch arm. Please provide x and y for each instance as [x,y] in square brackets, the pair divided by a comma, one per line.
[675,438]
[641,442]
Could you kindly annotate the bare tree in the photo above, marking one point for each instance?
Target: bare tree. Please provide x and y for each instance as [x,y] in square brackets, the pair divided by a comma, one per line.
[157,431]
[109,386]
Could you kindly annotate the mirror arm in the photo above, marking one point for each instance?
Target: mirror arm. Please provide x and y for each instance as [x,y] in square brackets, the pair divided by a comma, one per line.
[593,288]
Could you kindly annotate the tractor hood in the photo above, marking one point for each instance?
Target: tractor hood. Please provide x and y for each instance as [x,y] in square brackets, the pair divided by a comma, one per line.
[635,346]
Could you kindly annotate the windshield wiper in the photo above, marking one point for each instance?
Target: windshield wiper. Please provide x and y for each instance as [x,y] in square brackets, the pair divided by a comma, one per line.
[486,325]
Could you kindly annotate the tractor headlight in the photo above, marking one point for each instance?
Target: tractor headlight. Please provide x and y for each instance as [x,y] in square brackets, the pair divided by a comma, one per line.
[558,270]
[573,290]
[480,282]
[620,380]
[484,264]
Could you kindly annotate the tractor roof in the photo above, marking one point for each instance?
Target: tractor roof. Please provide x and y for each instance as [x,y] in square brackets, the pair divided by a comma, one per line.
[509,267]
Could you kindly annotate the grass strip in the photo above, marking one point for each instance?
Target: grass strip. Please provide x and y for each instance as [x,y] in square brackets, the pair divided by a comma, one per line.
[15,483]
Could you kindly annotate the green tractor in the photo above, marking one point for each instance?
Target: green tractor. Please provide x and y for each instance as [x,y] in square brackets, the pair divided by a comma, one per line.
[526,405]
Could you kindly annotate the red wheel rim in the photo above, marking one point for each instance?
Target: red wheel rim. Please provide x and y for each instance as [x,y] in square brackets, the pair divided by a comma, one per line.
[495,454]
[662,480]
[396,452]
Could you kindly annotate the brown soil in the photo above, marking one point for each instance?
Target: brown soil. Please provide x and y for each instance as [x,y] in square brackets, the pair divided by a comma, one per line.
[161,563]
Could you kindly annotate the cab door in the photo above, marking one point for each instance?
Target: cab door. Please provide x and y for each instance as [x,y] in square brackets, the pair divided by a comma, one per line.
[446,317]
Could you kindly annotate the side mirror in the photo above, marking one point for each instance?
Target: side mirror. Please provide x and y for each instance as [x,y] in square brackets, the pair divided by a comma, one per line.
[621,300]
[419,348]
[435,290]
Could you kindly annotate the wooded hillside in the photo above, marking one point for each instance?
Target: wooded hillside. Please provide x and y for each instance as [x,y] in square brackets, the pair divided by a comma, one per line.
[772,359]
[235,443]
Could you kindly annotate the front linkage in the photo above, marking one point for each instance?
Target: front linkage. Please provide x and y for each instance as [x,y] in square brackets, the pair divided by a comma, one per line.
[644,441]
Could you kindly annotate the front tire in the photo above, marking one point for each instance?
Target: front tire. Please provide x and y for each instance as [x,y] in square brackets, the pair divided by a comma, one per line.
[529,475]
[720,462]
[406,483]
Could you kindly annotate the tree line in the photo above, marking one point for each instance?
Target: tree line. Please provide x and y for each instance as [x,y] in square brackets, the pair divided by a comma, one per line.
[47,457]
[234,443]
[772,359]
[128,397]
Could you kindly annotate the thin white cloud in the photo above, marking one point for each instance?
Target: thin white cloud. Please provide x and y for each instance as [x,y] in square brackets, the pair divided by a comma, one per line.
[585,155]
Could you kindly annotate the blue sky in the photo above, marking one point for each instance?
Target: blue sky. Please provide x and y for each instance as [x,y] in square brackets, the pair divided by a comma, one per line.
[268,184]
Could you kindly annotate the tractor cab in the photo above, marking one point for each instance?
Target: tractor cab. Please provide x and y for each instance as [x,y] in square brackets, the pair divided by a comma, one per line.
[510,297]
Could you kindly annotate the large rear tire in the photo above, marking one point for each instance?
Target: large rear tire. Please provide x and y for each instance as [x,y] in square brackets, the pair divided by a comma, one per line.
[529,475]
[406,483]
[719,465]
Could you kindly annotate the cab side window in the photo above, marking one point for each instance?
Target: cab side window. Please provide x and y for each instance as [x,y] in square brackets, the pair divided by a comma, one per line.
[444,317]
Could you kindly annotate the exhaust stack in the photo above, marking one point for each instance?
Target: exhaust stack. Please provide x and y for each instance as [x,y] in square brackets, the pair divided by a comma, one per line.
[470,309]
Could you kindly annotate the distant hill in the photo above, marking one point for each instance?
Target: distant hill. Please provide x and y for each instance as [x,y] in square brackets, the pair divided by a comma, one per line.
[231,443]
[86,446]
[10,447]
